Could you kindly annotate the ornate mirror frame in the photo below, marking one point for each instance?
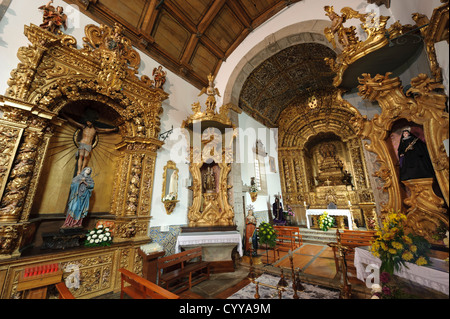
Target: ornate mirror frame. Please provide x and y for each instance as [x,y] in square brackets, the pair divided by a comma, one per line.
[169,204]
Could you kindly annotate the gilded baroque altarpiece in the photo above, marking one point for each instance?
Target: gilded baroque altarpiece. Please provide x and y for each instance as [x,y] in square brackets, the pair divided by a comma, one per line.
[53,73]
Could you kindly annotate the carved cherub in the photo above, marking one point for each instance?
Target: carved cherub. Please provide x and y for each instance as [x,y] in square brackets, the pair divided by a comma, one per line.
[159,76]
[53,18]
[211,91]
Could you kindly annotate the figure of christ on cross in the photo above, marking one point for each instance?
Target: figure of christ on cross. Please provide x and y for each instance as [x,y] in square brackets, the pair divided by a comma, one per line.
[85,145]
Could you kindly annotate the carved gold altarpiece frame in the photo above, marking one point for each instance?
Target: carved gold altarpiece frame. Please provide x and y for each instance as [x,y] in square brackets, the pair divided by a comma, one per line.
[302,127]
[52,73]
[207,146]
[424,105]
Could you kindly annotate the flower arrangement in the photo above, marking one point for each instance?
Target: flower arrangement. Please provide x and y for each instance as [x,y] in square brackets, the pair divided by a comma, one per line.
[394,247]
[100,236]
[267,235]
[170,196]
[388,289]
[325,221]
[289,212]
[253,188]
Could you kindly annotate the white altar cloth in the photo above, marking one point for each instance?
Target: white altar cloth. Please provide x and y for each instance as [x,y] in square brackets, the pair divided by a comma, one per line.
[203,238]
[434,276]
[331,212]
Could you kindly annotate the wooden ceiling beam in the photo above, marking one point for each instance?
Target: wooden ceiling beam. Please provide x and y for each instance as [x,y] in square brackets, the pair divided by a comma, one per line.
[187,54]
[149,17]
[240,13]
[180,17]
[210,15]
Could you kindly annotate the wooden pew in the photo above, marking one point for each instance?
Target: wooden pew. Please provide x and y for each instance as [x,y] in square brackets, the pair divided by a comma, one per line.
[352,239]
[288,237]
[184,270]
[64,292]
[141,288]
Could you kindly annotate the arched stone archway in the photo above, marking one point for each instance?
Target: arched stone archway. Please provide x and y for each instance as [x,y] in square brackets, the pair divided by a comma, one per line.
[303,32]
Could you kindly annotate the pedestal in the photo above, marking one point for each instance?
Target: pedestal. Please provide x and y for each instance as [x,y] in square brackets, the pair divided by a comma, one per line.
[65,238]
[426,210]
[150,268]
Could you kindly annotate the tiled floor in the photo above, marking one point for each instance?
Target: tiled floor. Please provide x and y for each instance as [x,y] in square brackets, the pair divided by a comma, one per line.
[316,260]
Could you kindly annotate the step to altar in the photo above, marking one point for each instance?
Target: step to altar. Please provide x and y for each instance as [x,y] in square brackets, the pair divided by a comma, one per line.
[317,236]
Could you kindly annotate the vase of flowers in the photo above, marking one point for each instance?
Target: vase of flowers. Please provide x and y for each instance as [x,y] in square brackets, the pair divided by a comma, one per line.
[100,236]
[395,248]
[289,214]
[253,190]
[325,221]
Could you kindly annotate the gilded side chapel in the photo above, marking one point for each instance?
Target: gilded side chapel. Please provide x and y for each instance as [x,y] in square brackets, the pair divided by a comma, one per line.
[224,149]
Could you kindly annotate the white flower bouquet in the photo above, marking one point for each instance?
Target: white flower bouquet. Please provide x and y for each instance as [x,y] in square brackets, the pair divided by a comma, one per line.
[170,197]
[100,236]
[325,221]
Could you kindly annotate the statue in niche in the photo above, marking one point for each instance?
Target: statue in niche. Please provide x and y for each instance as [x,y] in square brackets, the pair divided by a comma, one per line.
[89,132]
[80,194]
[173,185]
[209,181]
[250,235]
[53,18]
[414,159]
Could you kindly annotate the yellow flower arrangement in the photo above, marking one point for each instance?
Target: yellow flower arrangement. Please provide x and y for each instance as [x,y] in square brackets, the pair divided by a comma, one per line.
[394,247]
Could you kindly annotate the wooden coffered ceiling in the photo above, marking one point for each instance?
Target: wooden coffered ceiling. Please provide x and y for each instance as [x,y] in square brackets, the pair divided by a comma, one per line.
[189,37]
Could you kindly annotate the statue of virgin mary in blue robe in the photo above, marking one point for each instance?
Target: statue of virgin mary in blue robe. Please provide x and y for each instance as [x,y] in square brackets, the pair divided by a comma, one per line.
[80,193]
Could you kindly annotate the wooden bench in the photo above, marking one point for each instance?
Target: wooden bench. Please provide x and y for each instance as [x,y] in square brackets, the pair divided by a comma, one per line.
[64,292]
[140,288]
[288,237]
[179,272]
[352,239]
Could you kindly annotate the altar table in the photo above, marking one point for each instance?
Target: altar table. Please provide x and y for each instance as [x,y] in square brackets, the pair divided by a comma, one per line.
[208,238]
[434,276]
[331,212]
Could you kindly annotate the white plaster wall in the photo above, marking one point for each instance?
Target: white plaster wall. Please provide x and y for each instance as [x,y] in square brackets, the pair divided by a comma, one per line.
[270,143]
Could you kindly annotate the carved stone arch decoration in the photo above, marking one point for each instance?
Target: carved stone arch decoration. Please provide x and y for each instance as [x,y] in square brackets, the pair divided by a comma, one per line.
[423,104]
[53,73]
[310,31]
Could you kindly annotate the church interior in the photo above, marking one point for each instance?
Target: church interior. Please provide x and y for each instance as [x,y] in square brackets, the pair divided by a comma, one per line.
[212,149]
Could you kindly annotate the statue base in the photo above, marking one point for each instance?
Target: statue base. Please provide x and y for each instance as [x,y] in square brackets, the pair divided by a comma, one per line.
[65,238]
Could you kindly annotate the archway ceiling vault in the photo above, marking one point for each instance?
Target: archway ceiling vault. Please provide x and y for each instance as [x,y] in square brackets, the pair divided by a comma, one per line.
[287,78]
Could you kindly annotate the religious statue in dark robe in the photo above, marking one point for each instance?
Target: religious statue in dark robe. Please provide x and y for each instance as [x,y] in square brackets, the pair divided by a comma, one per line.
[80,193]
[277,208]
[414,159]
